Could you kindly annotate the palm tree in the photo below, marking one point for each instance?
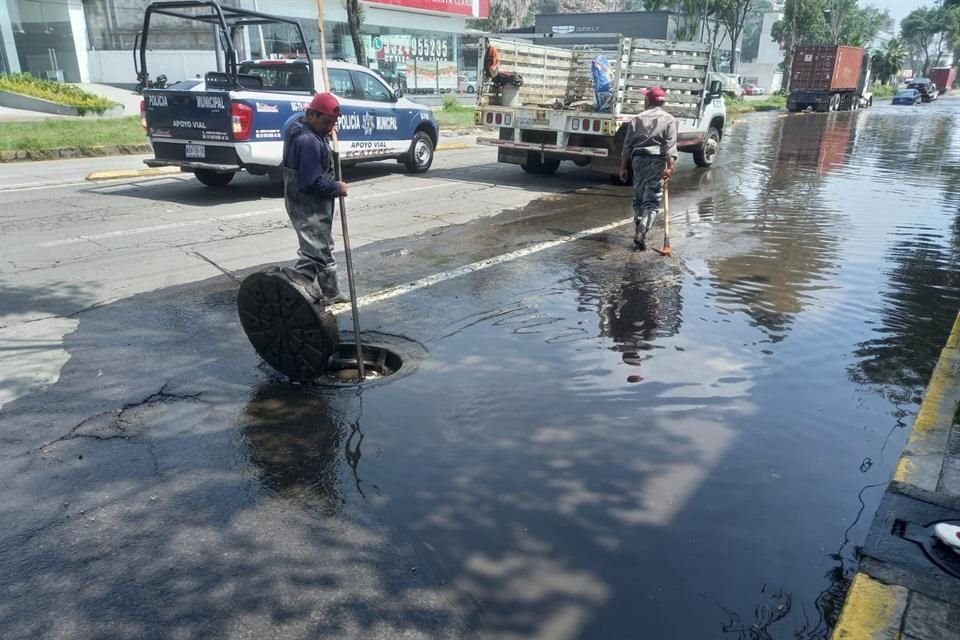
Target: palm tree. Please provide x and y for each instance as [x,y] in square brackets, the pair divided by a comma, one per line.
[888,62]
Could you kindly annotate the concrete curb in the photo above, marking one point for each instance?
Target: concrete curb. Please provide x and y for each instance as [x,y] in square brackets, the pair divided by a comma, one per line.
[133,173]
[921,462]
[450,146]
[874,610]
[28,155]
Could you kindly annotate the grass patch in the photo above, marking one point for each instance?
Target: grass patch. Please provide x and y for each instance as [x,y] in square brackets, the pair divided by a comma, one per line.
[771,103]
[65,94]
[454,117]
[883,90]
[55,133]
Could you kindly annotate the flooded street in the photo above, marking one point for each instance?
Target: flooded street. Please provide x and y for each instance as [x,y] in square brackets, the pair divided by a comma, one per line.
[585,441]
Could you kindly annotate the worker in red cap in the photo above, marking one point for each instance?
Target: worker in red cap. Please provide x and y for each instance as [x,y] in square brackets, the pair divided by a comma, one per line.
[309,190]
[650,150]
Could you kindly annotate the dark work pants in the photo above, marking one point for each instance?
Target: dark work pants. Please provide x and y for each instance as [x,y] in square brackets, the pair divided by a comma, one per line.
[647,190]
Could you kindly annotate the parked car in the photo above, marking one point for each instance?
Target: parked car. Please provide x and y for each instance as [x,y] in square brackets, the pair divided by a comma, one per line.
[753,90]
[907,96]
[468,82]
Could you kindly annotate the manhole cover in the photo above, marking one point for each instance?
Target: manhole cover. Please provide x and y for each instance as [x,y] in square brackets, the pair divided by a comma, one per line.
[288,329]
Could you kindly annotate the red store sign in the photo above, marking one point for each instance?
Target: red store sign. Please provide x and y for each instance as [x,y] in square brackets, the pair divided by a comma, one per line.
[469,8]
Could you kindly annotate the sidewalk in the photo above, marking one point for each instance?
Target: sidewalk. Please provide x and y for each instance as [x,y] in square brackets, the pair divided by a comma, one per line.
[907,586]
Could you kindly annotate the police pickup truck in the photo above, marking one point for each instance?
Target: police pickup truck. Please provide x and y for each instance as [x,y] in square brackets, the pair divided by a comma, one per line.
[235,120]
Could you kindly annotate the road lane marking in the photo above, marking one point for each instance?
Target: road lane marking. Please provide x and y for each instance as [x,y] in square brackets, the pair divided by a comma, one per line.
[473,267]
[156,227]
[217,219]
[33,186]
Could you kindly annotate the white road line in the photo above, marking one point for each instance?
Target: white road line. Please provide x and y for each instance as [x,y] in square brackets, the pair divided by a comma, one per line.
[473,267]
[34,186]
[156,227]
[217,219]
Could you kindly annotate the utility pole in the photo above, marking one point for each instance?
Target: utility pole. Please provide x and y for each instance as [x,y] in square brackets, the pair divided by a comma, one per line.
[338,169]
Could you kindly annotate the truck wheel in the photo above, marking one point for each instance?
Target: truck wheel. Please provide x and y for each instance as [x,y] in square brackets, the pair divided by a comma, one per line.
[212,178]
[421,153]
[707,153]
[539,165]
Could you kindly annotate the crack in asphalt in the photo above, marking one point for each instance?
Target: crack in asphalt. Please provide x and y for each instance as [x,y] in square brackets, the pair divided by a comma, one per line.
[119,423]
[216,266]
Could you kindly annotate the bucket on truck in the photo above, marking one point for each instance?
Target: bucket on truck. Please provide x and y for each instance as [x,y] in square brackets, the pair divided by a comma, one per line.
[508,96]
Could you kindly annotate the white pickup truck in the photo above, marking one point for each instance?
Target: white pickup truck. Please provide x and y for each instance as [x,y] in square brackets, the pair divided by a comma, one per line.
[552,116]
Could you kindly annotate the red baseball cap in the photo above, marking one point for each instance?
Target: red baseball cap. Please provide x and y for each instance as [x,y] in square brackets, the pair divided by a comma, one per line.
[656,95]
[325,104]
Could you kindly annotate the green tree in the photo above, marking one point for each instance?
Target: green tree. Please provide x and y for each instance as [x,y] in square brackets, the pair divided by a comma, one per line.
[853,25]
[803,23]
[888,62]
[924,30]
[355,15]
[733,14]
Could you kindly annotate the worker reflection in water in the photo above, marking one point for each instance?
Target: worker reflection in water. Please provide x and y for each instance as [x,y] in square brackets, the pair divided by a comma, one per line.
[309,189]
[650,148]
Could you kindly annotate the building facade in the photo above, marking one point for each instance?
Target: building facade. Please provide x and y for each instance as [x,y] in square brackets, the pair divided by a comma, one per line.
[416,43]
[764,71]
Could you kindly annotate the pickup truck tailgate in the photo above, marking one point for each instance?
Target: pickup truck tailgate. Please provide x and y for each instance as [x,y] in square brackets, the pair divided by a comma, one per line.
[179,122]
[188,115]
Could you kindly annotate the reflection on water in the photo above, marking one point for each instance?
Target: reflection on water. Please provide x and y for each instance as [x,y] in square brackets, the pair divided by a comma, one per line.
[296,439]
[795,228]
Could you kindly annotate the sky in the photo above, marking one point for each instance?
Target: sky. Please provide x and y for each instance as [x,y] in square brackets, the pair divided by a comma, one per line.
[898,8]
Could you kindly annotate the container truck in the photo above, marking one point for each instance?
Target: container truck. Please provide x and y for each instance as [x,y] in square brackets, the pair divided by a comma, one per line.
[943,78]
[829,78]
[550,114]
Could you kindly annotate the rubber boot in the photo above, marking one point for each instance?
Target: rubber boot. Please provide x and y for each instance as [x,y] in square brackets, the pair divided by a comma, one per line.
[639,238]
[309,285]
[331,290]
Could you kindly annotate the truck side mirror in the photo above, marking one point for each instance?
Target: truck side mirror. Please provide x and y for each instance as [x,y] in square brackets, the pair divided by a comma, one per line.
[716,88]
[397,94]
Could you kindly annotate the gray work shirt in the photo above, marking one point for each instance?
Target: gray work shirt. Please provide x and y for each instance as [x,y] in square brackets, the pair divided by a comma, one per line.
[654,129]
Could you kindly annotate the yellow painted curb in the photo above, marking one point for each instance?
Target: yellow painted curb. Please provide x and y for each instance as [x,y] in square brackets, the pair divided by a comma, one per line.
[449,146]
[934,418]
[132,173]
[872,611]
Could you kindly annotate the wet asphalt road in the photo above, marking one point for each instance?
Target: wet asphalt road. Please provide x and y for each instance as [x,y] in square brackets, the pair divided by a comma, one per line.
[588,442]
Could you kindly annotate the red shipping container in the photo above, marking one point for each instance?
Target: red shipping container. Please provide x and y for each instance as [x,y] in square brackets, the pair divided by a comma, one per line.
[833,68]
[943,77]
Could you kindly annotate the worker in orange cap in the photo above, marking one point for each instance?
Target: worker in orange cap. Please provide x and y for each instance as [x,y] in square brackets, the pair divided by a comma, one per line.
[309,189]
[650,149]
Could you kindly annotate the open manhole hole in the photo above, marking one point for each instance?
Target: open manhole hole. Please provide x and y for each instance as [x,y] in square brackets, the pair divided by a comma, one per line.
[386,357]
[378,362]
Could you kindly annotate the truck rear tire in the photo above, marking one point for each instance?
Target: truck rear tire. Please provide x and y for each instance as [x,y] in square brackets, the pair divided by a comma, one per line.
[421,153]
[707,153]
[213,178]
[539,165]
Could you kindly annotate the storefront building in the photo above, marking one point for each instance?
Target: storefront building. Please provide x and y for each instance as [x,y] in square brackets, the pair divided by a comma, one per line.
[415,44]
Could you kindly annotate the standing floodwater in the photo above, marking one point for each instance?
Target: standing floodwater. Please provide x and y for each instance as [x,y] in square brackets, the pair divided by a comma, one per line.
[576,441]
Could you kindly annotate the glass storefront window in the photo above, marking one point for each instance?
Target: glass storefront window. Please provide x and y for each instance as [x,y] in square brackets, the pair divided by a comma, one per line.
[414,61]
